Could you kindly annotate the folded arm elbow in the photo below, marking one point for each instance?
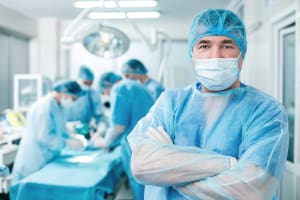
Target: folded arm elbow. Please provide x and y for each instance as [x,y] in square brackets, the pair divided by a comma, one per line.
[137,168]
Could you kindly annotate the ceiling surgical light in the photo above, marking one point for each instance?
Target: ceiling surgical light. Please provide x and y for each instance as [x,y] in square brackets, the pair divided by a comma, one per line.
[122,15]
[113,4]
[90,4]
[104,41]
[137,4]
[107,42]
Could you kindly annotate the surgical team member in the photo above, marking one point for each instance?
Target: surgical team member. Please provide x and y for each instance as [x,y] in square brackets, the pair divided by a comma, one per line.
[46,133]
[130,101]
[218,138]
[89,105]
[135,69]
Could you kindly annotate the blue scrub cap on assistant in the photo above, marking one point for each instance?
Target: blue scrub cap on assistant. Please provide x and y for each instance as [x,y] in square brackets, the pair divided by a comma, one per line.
[68,87]
[134,66]
[86,73]
[218,22]
[107,80]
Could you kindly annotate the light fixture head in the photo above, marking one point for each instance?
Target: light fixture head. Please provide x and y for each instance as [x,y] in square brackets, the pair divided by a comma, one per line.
[107,42]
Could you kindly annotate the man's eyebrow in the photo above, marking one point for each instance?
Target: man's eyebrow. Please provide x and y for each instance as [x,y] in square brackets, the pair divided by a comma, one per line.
[203,41]
[227,42]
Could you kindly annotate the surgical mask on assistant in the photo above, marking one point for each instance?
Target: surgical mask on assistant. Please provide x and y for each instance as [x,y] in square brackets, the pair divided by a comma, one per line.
[84,87]
[217,74]
[66,102]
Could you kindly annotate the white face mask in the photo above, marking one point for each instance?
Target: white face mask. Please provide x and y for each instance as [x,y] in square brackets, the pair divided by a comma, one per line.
[217,74]
[84,87]
[66,102]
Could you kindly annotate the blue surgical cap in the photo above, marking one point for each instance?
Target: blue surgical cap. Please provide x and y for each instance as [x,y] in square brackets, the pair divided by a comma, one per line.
[86,73]
[218,22]
[68,87]
[107,80]
[134,66]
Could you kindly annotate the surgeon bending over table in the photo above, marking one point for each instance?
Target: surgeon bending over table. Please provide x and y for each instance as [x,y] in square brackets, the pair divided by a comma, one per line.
[46,135]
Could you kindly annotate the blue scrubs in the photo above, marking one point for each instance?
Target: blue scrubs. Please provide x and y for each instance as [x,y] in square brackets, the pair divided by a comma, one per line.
[243,123]
[43,139]
[130,101]
[85,108]
[154,87]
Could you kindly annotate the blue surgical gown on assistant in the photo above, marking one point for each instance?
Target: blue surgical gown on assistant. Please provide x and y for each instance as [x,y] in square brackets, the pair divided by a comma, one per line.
[154,87]
[85,108]
[43,138]
[242,122]
[130,101]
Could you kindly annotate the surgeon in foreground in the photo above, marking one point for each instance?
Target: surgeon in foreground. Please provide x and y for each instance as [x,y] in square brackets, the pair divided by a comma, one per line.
[218,138]
[46,133]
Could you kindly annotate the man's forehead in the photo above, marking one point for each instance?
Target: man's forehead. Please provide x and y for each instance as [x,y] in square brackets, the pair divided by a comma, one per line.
[219,39]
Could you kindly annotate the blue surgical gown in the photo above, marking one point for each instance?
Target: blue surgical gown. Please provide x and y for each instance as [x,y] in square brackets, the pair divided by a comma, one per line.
[154,87]
[43,139]
[85,108]
[207,129]
[130,101]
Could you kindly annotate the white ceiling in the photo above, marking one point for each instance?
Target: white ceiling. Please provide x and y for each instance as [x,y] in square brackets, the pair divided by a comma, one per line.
[174,13]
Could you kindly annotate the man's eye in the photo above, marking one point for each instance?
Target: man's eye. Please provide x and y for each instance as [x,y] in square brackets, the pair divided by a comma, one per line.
[203,46]
[228,47]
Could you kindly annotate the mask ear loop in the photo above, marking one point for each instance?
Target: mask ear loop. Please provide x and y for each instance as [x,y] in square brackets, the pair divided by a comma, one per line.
[239,71]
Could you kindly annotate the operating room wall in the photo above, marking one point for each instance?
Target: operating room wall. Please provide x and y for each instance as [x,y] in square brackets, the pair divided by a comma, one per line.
[261,63]
[17,22]
[15,31]
[179,71]
[13,60]
[44,55]
[297,86]
[258,65]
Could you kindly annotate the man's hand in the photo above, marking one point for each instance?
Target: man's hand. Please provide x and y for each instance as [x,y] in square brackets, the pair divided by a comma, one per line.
[75,143]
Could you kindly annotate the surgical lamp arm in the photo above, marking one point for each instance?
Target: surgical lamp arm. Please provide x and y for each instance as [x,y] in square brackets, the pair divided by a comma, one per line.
[67,36]
[166,55]
[153,45]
